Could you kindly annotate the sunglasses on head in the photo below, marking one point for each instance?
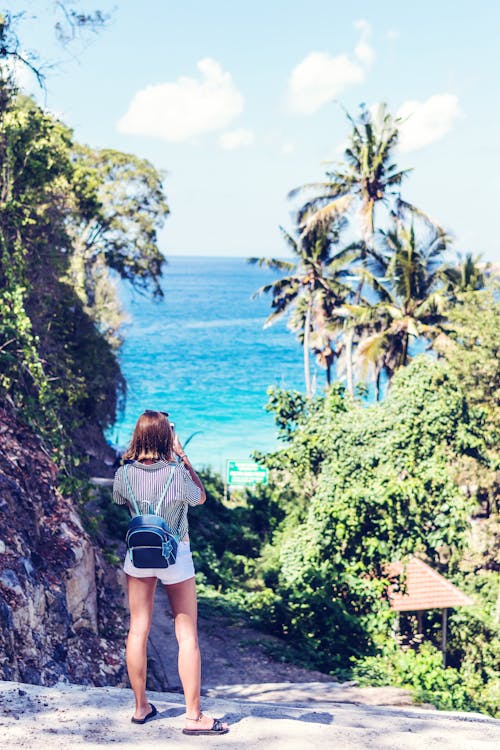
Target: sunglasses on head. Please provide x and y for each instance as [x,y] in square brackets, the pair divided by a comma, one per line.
[153,411]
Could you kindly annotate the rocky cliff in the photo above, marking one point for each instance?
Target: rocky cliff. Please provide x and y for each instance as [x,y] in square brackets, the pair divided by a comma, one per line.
[61,607]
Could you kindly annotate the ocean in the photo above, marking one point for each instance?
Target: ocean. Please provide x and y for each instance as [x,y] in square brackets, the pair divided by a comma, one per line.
[203,355]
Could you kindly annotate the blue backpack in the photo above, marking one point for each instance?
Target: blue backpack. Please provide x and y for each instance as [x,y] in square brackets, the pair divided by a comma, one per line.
[150,541]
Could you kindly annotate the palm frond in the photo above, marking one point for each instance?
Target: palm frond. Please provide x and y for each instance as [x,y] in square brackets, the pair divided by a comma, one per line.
[405,209]
[311,217]
[329,188]
[273,263]
[372,347]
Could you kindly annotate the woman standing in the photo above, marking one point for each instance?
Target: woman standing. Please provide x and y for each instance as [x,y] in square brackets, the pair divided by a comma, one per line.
[154,453]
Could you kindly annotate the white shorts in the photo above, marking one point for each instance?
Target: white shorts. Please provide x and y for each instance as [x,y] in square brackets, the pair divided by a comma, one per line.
[181,570]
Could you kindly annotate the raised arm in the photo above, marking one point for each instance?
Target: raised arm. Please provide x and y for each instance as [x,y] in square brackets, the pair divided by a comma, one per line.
[178,450]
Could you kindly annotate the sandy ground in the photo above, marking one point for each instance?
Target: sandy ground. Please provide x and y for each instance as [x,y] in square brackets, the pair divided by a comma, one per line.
[70,717]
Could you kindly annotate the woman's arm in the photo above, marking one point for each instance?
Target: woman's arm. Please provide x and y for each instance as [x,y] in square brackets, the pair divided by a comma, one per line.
[178,450]
[118,489]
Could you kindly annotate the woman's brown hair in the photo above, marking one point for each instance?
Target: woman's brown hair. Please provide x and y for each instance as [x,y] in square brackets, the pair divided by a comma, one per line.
[152,438]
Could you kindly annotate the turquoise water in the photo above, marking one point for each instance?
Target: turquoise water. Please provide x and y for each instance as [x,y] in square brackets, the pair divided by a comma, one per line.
[202,355]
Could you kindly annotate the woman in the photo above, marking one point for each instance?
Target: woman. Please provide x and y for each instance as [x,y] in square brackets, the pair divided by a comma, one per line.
[154,452]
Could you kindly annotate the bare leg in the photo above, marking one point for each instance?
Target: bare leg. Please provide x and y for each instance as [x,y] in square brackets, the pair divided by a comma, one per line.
[182,597]
[141,593]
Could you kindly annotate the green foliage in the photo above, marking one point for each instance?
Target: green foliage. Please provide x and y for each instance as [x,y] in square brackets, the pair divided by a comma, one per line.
[68,215]
[122,205]
[314,289]
[367,176]
[474,640]
[289,409]
[473,351]
[374,484]
[446,688]
[412,286]
[226,546]
[412,283]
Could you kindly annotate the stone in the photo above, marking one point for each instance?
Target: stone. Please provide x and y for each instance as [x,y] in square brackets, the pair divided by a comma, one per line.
[58,595]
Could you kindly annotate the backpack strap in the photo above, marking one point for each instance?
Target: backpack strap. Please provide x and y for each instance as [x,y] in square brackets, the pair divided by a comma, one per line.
[132,496]
[171,476]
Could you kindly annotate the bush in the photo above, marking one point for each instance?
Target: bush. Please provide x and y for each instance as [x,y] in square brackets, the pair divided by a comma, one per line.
[422,671]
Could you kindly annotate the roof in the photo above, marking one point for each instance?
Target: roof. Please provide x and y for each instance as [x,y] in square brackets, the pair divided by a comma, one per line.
[424,588]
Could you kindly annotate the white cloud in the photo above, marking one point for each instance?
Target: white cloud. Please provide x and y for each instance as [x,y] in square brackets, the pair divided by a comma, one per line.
[318,79]
[287,148]
[426,122]
[178,111]
[236,139]
[364,51]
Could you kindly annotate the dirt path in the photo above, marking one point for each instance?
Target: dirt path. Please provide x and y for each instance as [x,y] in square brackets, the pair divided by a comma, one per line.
[235,665]
[231,654]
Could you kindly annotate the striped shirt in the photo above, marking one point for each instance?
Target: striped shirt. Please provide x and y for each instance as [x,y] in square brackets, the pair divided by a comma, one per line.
[148,483]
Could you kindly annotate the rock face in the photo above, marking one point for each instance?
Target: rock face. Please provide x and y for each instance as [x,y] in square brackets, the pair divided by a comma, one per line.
[61,608]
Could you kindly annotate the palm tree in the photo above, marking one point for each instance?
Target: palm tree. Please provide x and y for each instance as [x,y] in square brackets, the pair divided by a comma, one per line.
[470,274]
[313,287]
[414,295]
[368,176]
[321,315]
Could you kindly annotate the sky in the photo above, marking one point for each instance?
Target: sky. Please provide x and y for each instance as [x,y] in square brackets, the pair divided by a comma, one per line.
[238,103]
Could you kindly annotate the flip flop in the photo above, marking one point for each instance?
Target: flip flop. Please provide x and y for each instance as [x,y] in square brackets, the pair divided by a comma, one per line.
[216,728]
[148,716]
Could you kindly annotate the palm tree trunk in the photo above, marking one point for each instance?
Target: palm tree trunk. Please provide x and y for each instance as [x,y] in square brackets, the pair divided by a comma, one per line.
[307,367]
[348,361]
[378,373]
[349,346]
[349,342]
[404,353]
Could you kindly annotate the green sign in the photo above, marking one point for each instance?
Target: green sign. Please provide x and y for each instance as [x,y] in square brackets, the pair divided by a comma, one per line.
[245,473]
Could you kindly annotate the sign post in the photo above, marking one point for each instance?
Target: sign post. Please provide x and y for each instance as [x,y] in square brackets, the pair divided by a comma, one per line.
[245,473]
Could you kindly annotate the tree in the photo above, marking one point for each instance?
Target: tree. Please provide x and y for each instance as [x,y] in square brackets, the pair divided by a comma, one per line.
[412,285]
[56,363]
[368,177]
[34,175]
[119,206]
[127,207]
[314,287]
[472,350]
[384,489]
[69,24]
[470,274]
